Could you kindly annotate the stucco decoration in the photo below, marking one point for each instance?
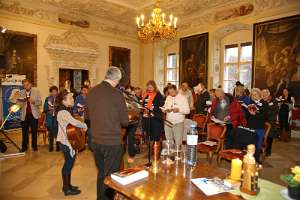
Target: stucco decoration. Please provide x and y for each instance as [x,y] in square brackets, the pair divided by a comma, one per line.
[71,50]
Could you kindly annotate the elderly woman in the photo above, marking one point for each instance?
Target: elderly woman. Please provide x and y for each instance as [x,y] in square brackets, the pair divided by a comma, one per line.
[256,117]
[272,118]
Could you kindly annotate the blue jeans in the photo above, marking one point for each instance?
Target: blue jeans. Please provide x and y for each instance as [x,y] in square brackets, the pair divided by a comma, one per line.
[260,133]
[69,160]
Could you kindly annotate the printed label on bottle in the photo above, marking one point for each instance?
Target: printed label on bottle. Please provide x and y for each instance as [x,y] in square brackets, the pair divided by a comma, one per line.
[192,139]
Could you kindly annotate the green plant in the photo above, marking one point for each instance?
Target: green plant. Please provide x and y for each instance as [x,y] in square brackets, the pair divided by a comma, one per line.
[293,180]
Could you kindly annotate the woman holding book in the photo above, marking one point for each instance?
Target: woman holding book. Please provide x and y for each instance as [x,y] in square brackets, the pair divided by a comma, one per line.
[64,118]
[51,122]
[256,117]
[286,102]
[152,114]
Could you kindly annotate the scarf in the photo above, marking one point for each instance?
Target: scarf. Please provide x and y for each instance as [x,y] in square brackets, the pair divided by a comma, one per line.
[149,98]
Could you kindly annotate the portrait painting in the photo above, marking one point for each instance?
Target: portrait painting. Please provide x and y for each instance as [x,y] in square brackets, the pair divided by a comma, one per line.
[120,57]
[194,59]
[277,55]
[18,54]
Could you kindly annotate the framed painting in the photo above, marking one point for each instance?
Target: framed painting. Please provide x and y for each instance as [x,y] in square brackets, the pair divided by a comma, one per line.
[18,54]
[194,59]
[276,51]
[120,57]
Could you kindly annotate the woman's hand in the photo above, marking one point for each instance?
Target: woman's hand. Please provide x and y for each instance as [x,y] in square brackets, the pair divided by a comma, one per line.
[227,118]
[252,112]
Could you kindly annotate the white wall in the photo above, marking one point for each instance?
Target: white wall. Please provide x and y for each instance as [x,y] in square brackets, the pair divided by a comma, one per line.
[103,42]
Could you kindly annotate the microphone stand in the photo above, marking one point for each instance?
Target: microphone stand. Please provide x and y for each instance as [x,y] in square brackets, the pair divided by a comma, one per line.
[9,139]
[131,97]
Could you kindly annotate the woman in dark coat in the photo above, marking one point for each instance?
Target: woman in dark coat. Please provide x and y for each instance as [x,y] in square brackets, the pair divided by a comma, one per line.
[272,118]
[257,114]
[153,120]
[286,104]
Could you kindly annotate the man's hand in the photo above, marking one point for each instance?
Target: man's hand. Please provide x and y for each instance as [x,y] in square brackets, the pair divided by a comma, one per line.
[175,110]
[32,101]
[84,129]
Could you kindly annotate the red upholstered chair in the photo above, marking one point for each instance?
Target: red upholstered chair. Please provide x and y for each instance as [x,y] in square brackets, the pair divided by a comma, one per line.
[229,154]
[42,128]
[295,117]
[201,124]
[215,133]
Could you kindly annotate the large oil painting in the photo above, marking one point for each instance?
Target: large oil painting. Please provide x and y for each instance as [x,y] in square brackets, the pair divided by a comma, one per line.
[193,59]
[120,57]
[277,55]
[18,54]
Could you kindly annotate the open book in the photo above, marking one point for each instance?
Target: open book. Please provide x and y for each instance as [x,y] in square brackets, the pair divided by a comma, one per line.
[130,175]
[217,121]
[211,186]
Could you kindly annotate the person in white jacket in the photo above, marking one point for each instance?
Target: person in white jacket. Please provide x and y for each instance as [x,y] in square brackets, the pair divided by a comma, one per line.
[176,107]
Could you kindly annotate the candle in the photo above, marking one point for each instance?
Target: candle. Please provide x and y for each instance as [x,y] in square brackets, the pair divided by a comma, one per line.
[138,21]
[236,169]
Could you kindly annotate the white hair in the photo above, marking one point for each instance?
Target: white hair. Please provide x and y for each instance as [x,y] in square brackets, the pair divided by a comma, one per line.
[266,91]
[113,74]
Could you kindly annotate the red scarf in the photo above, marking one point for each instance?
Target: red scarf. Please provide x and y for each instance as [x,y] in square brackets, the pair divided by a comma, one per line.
[151,96]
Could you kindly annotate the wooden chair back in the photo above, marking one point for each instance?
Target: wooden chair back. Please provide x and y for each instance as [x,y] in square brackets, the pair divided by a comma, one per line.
[216,131]
[201,121]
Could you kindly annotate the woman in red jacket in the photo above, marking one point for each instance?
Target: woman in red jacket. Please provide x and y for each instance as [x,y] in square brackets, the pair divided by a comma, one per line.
[226,108]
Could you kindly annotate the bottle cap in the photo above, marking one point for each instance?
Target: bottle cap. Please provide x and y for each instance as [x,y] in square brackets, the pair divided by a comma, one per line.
[193,125]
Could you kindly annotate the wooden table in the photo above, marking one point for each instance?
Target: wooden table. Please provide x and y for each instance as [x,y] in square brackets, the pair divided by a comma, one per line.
[172,183]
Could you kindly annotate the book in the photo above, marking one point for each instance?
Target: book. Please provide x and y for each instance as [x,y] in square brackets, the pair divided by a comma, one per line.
[217,121]
[211,186]
[130,175]
[209,143]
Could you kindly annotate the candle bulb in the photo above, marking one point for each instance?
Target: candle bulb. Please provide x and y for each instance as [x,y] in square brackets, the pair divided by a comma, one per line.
[171,17]
[142,18]
[175,22]
[138,21]
[236,169]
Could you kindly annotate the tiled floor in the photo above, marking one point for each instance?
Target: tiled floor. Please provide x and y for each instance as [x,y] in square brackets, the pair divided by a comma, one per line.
[37,174]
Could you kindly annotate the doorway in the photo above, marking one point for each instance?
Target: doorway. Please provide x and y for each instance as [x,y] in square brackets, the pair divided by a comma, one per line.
[77,77]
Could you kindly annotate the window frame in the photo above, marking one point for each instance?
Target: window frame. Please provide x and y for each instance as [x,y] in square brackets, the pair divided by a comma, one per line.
[238,63]
[176,68]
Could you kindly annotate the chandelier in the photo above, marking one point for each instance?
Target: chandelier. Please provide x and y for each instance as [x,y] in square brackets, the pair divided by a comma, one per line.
[158,27]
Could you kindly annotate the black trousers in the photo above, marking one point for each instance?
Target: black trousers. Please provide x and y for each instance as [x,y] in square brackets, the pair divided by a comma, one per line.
[108,159]
[284,118]
[31,122]
[52,134]
[130,131]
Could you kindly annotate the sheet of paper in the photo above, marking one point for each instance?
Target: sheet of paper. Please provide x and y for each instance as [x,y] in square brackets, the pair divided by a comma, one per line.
[207,186]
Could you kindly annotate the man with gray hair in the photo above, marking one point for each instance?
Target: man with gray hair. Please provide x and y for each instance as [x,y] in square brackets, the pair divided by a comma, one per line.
[108,114]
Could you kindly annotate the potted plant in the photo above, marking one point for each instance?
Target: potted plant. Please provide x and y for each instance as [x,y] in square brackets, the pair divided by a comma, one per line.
[293,182]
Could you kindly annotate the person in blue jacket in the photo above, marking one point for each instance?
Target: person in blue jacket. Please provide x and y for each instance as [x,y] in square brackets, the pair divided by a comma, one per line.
[50,106]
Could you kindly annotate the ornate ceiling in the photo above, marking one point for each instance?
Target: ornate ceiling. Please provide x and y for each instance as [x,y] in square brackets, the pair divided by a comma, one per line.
[118,16]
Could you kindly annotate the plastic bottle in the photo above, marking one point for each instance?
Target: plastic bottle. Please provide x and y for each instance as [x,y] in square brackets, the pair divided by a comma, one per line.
[192,141]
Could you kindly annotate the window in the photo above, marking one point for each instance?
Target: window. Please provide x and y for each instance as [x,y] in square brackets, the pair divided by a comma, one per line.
[237,65]
[171,73]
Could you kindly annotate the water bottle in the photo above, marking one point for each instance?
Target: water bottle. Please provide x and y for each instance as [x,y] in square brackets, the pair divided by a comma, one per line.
[192,141]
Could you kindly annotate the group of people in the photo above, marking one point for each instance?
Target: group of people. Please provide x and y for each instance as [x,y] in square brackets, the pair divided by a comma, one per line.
[104,113]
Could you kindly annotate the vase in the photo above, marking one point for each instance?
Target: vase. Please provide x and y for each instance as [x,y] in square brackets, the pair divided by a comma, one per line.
[294,192]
